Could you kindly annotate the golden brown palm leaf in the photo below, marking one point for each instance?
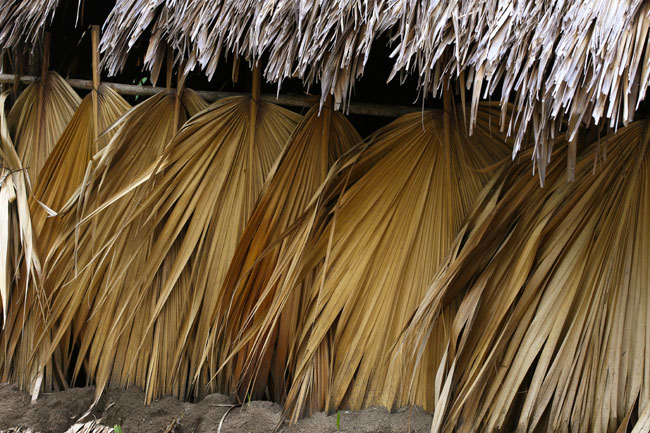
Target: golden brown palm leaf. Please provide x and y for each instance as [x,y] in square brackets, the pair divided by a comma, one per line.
[76,263]
[16,233]
[20,269]
[61,175]
[158,276]
[318,141]
[65,168]
[38,119]
[552,330]
[362,256]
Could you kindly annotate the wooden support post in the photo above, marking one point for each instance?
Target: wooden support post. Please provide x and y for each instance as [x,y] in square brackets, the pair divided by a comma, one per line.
[180,86]
[40,133]
[170,65]
[448,108]
[256,93]
[571,159]
[325,136]
[19,66]
[256,88]
[47,42]
[235,70]
[94,33]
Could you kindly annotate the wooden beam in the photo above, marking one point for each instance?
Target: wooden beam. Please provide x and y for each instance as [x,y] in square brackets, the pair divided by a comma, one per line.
[289,100]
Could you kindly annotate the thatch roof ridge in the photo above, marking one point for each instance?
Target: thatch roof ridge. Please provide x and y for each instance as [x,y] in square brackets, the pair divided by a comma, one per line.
[557,60]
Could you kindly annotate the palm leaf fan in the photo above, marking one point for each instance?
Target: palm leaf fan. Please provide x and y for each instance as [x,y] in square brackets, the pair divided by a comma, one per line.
[38,118]
[161,275]
[19,263]
[61,175]
[74,267]
[554,326]
[318,141]
[364,254]
[16,233]
[65,168]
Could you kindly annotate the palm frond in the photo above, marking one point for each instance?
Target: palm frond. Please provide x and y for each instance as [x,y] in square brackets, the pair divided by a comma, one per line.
[38,119]
[74,265]
[159,265]
[61,175]
[363,255]
[318,141]
[551,334]
[65,168]
[20,269]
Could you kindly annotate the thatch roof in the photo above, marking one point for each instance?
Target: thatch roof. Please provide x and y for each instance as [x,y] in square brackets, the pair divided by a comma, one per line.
[23,21]
[575,61]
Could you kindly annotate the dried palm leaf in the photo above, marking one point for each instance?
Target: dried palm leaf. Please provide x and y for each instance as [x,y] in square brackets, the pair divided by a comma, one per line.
[72,270]
[65,168]
[19,262]
[157,274]
[38,119]
[318,141]
[361,258]
[16,233]
[61,175]
[552,332]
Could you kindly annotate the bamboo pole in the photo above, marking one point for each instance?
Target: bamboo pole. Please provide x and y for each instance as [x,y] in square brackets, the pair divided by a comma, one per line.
[180,86]
[256,93]
[289,100]
[95,56]
[41,99]
[170,65]
[235,70]
[447,109]
[325,136]
[47,41]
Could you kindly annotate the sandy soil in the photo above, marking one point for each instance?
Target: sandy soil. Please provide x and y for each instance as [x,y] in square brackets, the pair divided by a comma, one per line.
[59,412]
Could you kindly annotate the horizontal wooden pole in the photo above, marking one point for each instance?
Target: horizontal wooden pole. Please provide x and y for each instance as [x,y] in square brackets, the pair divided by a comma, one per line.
[290,100]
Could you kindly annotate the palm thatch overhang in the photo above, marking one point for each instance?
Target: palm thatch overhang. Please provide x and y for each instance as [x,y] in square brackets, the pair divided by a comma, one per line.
[578,61]
[582,62]
[22,22]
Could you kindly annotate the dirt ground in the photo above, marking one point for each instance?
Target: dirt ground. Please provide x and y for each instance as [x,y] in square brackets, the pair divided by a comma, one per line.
[60,412]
